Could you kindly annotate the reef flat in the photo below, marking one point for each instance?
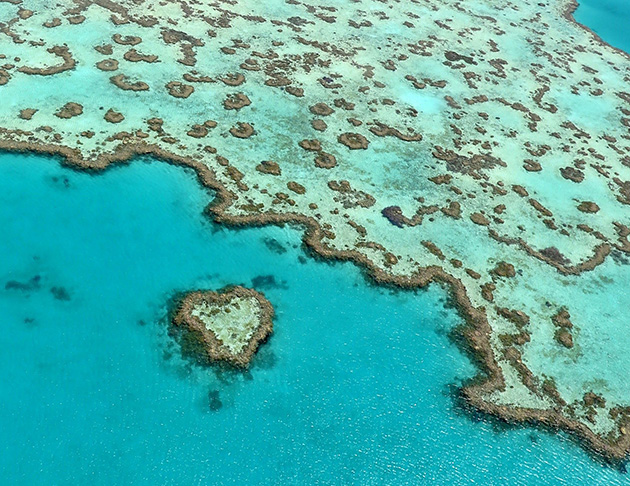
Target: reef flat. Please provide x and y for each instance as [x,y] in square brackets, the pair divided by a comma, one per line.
[482,145]
[229,324]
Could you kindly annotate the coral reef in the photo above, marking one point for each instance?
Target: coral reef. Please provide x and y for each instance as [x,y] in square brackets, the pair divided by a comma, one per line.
[229,324]
[483,147]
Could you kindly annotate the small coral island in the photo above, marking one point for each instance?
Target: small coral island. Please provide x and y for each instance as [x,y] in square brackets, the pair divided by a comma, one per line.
[230,324]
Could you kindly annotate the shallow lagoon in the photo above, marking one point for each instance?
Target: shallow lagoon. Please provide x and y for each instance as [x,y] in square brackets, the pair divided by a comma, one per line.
[354,387]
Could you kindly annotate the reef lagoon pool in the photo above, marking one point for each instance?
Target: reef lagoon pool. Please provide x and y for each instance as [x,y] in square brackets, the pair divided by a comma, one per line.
[355,386]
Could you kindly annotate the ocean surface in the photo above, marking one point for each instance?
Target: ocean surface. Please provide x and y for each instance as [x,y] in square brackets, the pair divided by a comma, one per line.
[608,18]
[355,386]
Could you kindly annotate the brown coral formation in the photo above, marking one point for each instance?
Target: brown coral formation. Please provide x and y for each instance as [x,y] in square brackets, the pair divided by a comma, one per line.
[122,81]
[564,337]
[503,269]
[394,215]
[178,89]
[350,197]
[462,164]
[55,22]
[105,49]
[128,40]
[441,179]
[324,160]
[200,131]
[319,125]
[479,219]
[134,56]
[572,174]
[588,207]
[193,77]
[69,110]
[563,324]
[233,79]
[321,109]
[25,13]
[214,348]
[113,116]
[383,130]
[61,51]
[107,65]
[454,210]
[236,101]
[269,167]
[354,141]
[242,130]
[27,113]
[312,145]
[4,77]
[296,187]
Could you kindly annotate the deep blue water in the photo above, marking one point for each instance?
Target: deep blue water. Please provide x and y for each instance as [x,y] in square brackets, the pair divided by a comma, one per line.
[354,387]
[608,18]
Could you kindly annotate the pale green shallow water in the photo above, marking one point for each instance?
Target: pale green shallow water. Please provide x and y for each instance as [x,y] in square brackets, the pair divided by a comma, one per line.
[354,387]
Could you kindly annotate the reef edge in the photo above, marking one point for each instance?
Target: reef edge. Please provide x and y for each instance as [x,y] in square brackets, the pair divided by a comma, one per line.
[475,334]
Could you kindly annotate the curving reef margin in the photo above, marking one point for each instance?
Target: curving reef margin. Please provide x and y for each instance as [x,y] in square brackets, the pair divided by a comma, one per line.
[569,9]
[474,335]
[471,167]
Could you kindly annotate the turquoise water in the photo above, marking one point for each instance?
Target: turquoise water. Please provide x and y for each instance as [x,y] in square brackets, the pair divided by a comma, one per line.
[355,386]
[608,18]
